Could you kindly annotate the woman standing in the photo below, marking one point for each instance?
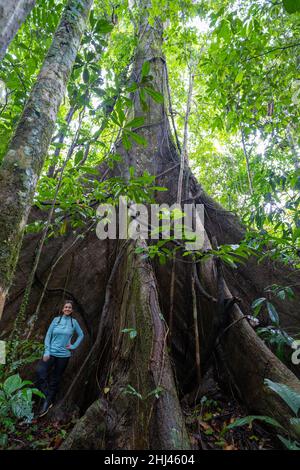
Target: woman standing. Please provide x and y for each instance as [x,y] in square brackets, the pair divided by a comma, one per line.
[57,354]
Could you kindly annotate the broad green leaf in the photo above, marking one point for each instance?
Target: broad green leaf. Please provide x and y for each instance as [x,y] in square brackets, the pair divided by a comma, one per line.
[85,75]
[290,445]
[257,304]
[78,157]
[145,69]
[224,30]
[136,122]
[133,87]
[126,142]
[139,139]
[143,101]
[239,77]
[250,419]
[12,384]
[290,396]
[104,27]
[155,95]
[273,313]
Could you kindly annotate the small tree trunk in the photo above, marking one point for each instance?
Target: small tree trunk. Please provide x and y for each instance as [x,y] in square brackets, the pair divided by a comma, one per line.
[13,13]
[24,160]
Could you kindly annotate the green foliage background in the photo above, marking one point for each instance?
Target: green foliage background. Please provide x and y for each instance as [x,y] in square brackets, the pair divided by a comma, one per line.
[244,56]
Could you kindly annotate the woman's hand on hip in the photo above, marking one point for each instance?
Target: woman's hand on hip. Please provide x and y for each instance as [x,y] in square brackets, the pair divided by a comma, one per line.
[46,358]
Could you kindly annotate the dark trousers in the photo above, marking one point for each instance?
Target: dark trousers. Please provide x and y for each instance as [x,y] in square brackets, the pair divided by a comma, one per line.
[49,374]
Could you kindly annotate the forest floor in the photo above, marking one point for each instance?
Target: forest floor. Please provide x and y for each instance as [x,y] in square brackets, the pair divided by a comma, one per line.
[207,422]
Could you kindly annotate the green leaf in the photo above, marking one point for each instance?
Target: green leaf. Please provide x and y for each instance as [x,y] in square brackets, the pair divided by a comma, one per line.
[85,75]
[290,445]
[132,332]
[143,101]
[115,119]
[78,157]
[104,27]
[239,77]
[159,188]
[12,384]
[37,392]
[155,95]
[136,122]
[90,170]
[126,142]
[291,6]
[99,92]
[250,419]
[295,422]
[257,304]
[290,293]
[120,113]
[133,87]
[145,69]
[156,392]
[224,30]
[273,313]
[129,390]
[291,398]
[139,139]
[228,260]
[3,440]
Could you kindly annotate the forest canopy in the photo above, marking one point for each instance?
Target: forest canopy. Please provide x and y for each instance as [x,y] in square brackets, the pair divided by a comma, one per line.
[243,127]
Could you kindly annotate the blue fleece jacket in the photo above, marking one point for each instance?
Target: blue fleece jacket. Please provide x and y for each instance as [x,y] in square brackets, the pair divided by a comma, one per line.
[59,335]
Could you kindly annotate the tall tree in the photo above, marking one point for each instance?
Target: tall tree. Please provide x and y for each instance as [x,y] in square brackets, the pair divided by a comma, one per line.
[12,16]
[27,150]
[141,409]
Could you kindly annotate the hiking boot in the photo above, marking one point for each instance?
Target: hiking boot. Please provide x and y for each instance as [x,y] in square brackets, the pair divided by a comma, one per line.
[45,408]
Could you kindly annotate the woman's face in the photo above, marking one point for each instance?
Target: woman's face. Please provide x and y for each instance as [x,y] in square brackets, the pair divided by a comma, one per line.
[67,310]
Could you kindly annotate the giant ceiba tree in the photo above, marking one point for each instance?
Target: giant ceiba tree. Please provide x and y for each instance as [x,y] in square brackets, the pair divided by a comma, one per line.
[186,314]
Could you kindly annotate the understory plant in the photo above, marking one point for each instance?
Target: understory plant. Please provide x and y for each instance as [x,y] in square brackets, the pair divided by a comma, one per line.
[15,404]
[292,399]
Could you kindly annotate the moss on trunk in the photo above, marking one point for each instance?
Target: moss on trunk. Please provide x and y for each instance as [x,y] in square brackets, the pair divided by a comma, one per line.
[28,148]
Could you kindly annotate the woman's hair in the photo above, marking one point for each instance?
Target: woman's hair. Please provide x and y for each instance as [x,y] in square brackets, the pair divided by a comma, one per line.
[66,302]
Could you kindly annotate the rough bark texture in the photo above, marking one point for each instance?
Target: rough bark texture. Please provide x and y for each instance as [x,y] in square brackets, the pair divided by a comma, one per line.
[13,13]
[23,162]
[138,369]
[111,377]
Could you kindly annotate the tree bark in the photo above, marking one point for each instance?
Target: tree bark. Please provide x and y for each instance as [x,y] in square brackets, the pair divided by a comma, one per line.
[24,160]
[13,13]
[139,378]
[245,372]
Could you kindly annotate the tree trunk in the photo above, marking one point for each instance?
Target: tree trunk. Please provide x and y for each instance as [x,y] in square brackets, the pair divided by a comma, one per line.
[138,377]
[239,346]
[13,13]
[24,160]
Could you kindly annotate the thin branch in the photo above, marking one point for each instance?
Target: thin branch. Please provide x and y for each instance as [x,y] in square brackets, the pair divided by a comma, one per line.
[270,51]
